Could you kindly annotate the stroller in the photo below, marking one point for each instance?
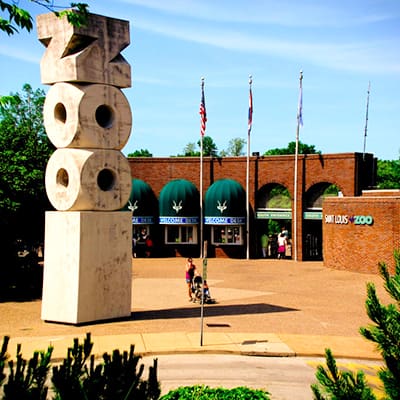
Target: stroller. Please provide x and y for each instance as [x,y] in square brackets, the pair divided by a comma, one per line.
[197,284]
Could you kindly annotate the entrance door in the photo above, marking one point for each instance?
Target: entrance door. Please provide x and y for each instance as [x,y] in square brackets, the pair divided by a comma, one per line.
[312,240]
[271,228]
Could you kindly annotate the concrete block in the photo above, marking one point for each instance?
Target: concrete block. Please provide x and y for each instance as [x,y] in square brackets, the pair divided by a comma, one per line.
[87,116]
[87,266]
[78,179]
[90,54]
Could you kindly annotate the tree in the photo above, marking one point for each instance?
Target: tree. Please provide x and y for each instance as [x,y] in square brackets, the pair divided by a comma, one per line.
[235,147]
[291,149]
[340,385]
[25,149]
[140,153]
[388,174]
[209,147]
[17,17]
[24,152]
[384,332]
[190,150]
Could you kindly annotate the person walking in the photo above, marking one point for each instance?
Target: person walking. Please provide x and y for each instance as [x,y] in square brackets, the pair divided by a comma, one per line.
[264,244]
[281,246]
[191,271]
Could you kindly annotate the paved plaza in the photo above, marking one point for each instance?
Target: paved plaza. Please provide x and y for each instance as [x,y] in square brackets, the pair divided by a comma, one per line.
[263,307]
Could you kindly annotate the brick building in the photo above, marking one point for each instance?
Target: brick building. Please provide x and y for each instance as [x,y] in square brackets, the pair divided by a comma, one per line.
[172,186]
[360,232]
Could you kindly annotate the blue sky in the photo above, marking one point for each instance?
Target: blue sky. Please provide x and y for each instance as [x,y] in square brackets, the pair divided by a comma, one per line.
[340,45]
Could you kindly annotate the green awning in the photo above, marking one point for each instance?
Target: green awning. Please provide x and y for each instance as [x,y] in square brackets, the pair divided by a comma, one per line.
[225,203]
[179,203]
[142,202]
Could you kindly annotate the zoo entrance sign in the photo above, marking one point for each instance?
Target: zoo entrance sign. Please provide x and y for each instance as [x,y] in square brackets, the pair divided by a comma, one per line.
[349,219]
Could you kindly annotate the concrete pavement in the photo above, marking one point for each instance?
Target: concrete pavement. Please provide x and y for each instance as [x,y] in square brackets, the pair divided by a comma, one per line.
[263,307]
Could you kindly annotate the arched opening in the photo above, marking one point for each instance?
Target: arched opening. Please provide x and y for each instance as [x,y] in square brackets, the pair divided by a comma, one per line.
[273,214]
[312,219]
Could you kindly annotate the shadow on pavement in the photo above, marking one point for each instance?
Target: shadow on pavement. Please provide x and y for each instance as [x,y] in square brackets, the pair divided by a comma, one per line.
[210,311]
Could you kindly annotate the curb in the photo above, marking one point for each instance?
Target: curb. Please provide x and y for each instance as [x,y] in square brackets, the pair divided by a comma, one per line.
[245,344]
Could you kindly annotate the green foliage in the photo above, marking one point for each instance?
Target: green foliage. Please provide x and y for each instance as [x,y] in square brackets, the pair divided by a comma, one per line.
[25,148]
[190,150]
[273,227]
[385,330]
[331,190]
[209,147]
[201,392]
[3,358]
[118,377]
[279,197]
[121,383]
[17,17]
[141,153]
[340,385]
[67,378]
[388,174]
[77,17]
[25,380]
[235,147]
[291,149]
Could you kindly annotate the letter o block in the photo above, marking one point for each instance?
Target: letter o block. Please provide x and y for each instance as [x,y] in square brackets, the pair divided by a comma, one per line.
[98,180]
[87,116]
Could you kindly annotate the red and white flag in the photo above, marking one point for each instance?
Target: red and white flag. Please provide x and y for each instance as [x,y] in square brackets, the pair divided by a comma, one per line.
[203,114]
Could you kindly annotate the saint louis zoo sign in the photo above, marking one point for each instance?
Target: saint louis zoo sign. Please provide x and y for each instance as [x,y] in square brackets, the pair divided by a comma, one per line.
[349,219]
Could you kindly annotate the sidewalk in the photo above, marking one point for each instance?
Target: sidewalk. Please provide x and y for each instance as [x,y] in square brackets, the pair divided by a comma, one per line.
[264,308]
[256,344]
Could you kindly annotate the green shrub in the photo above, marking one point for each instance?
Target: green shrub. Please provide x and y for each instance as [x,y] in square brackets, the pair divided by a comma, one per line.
[340,385]
[384,332]
[25,380]
[117,377]
[200,392]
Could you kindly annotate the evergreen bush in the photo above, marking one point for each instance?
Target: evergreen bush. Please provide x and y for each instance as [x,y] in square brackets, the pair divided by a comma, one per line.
[201,392]
[340,385]
[78,376]
[384,332]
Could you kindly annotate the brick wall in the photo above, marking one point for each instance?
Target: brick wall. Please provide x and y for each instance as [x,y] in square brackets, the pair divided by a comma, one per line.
[360,247]
[346,170]
[341,169]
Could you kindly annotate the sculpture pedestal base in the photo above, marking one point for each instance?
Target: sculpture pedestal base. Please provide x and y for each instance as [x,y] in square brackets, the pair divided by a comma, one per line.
[87,266]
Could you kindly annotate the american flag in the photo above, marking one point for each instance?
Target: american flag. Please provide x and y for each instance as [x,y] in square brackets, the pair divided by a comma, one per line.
[250,121]
[203,114]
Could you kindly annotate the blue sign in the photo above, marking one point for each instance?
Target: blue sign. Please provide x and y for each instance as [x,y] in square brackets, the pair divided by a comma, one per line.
[179,220]
[142,220]
[225,220]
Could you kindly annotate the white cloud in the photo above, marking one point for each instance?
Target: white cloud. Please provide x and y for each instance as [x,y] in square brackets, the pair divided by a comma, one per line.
[306,13]
[19,54]
[369,57]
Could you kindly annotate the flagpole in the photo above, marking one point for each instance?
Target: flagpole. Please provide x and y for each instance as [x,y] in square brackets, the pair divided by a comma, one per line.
[248,171]
[366,120]
[202,109]
[299,121]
